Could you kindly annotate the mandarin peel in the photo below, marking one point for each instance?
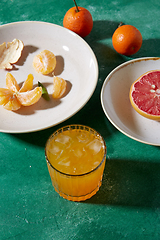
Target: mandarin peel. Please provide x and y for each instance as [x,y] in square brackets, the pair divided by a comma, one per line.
[10,53]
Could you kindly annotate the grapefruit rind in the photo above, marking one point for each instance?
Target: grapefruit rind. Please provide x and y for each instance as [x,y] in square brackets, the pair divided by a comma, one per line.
[135,106]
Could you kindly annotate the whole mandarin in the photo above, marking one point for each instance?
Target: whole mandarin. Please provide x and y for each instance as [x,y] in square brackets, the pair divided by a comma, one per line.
[127,40]
[78,20]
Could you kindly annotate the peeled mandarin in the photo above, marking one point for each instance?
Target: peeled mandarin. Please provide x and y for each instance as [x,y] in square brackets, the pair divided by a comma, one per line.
[13,97]
[44,62]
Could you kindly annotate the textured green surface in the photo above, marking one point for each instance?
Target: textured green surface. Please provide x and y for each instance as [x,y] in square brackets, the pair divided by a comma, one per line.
[128,203]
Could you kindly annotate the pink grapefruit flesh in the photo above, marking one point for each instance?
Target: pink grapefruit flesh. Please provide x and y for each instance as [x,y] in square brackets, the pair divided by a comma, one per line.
[145,95]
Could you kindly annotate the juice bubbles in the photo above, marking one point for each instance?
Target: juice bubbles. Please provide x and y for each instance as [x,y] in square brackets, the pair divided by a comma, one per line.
[76,157]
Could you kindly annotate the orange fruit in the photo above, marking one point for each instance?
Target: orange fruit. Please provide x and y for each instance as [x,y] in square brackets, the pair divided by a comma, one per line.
[127,40]
[78,20]
[145,95]
[59,87]
[13,97]
[44,62]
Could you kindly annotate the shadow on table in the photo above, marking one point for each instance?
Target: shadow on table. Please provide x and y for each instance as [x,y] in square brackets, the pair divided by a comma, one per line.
[102,29]
[149,48]
[129,183]
[86,117]
[107,57]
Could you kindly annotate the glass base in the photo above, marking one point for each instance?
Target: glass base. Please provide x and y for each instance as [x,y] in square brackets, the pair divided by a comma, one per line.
[79,198]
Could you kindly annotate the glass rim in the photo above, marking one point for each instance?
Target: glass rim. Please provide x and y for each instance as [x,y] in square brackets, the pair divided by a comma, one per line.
[68,127]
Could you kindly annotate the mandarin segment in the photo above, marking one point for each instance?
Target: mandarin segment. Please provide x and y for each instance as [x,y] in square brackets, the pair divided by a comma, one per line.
[13,104]
[28,84]
[44,62]
[30,97]
[5,95]
[11,83]
[9,100]
[59,87]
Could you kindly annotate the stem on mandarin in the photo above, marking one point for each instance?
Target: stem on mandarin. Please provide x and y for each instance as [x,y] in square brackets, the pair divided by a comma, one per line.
[76,6]
[120,24]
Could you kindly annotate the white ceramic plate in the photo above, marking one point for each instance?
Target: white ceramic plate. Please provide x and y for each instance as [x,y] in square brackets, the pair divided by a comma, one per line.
[116,104]
[76,63]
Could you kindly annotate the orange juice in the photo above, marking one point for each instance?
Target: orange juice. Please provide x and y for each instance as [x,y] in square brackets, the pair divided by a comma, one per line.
[76,157]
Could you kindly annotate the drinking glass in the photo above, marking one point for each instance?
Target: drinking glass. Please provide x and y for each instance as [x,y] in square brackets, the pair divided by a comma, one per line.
[76,156]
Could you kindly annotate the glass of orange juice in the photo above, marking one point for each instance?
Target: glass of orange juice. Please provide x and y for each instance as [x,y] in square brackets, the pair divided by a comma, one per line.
[76,157]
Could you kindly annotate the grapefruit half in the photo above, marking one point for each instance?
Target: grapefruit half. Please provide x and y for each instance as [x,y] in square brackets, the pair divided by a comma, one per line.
[145,95]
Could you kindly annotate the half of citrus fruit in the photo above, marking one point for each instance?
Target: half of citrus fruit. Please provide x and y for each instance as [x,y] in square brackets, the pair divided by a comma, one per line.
[145,95]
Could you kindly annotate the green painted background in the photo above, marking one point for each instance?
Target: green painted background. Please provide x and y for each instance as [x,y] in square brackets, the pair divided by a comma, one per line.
[128,203]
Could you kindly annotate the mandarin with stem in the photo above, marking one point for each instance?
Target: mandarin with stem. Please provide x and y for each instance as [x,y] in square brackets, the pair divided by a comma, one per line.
[78,20]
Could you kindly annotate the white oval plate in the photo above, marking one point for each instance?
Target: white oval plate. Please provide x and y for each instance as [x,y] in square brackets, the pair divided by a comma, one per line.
[116,104]
[76,63]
